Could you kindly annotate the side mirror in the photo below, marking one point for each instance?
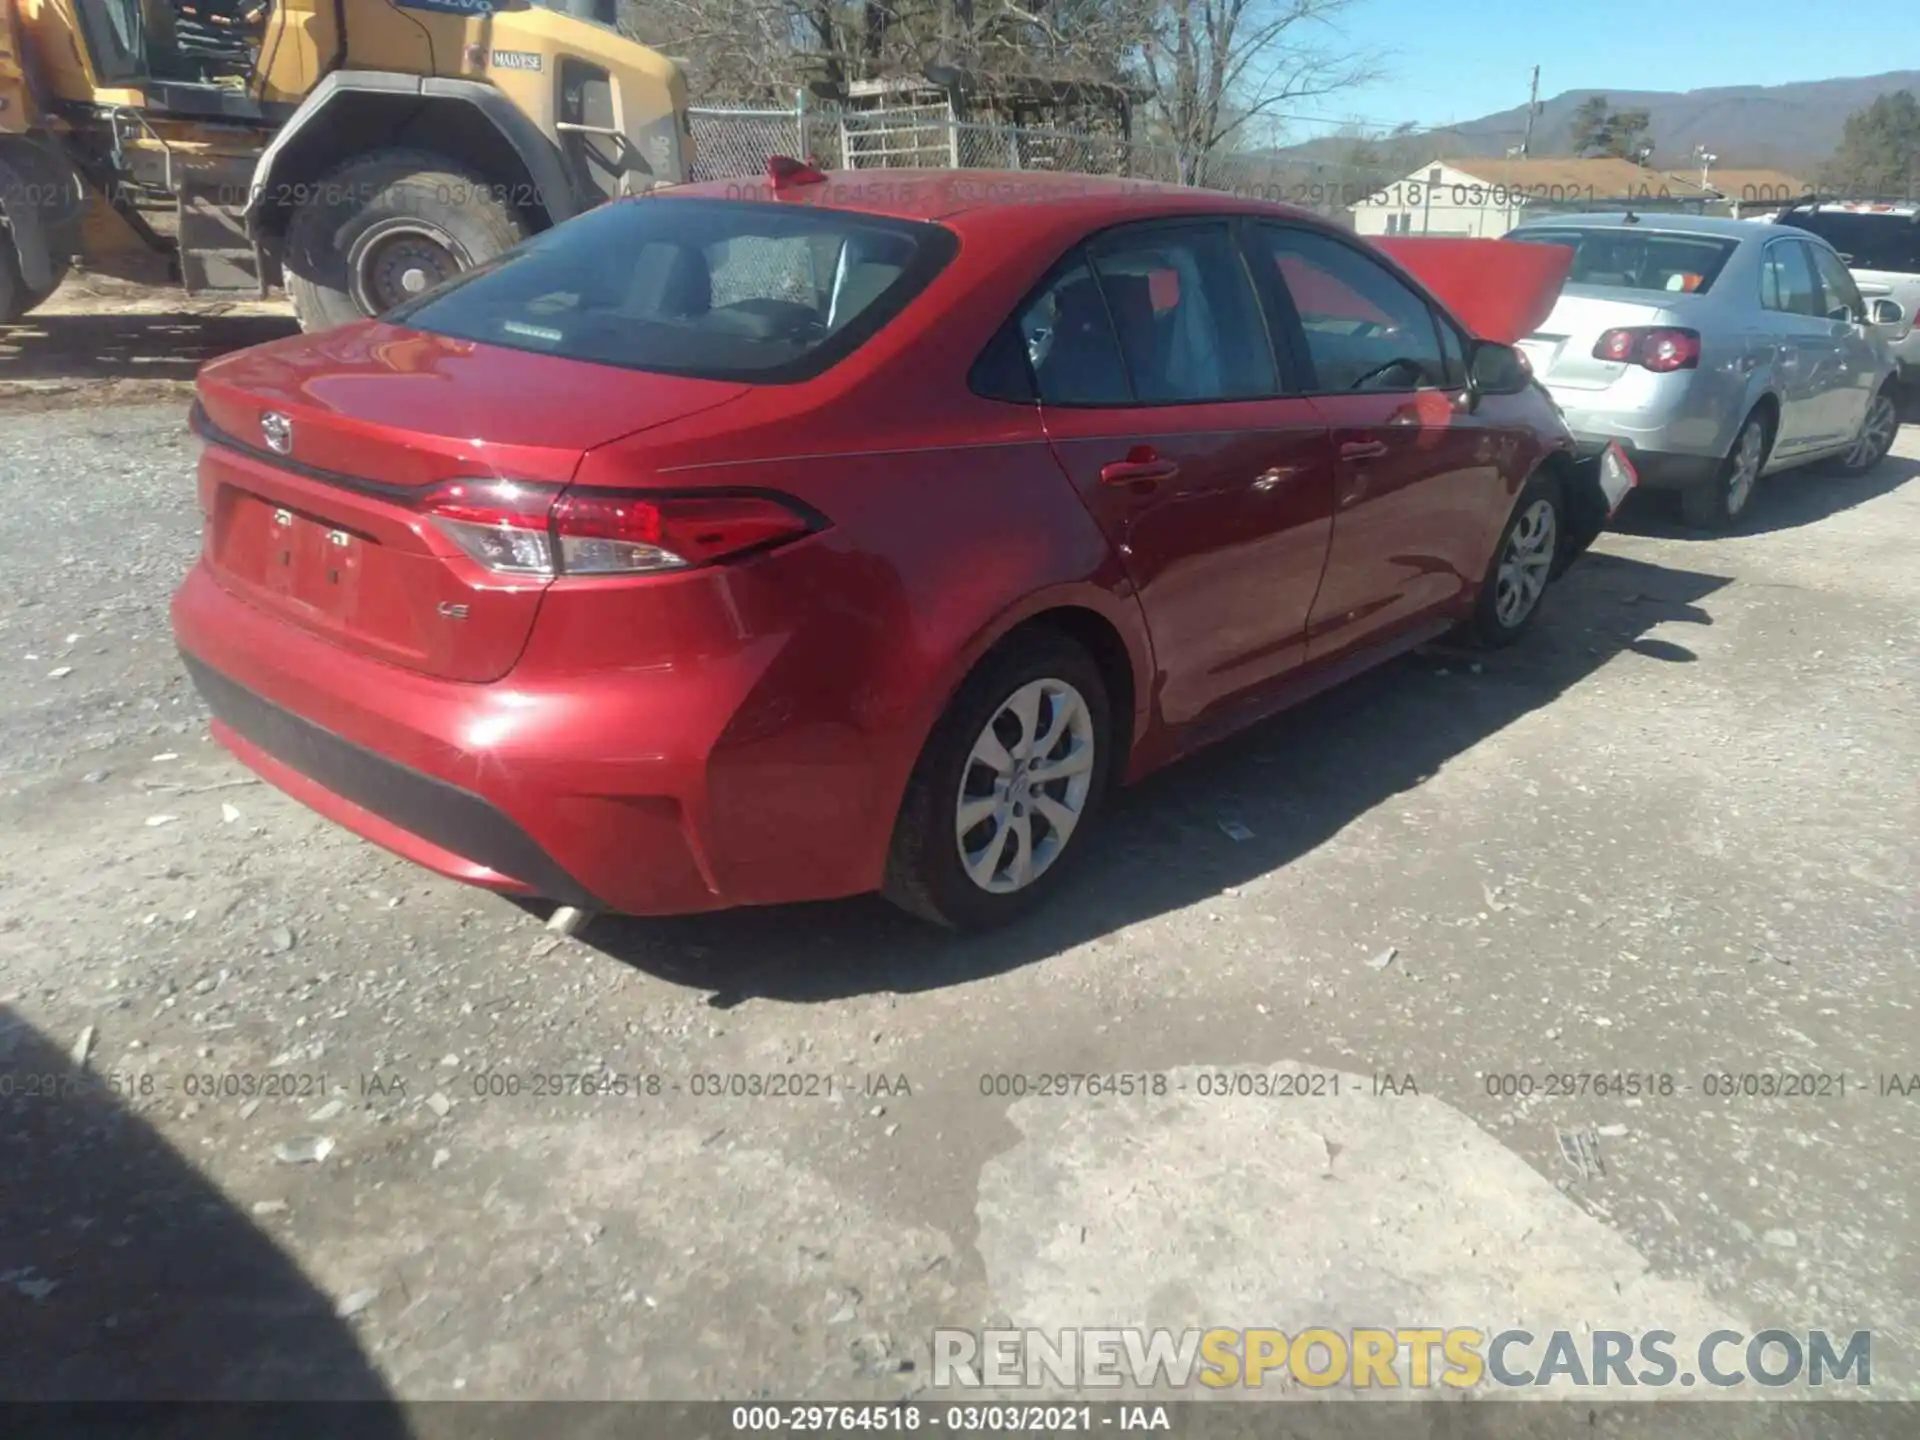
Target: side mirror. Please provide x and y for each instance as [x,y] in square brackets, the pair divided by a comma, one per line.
[1885,312]
[1496,369]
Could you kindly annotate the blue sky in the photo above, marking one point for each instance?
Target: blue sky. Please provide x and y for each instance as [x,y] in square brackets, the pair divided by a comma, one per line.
[1451,63]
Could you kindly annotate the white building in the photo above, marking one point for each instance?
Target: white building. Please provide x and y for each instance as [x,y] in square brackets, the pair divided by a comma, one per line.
[1484,199]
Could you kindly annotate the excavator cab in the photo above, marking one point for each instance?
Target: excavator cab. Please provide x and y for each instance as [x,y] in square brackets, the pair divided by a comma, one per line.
[189,57]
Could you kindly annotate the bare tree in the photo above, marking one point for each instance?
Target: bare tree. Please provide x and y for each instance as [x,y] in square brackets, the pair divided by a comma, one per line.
[1212,73]
[1215,68]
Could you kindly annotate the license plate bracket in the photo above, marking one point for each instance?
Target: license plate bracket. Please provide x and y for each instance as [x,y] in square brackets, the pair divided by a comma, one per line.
[1618,477]
[314,564]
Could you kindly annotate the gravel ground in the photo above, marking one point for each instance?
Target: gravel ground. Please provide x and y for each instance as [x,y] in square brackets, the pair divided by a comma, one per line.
[1672,833]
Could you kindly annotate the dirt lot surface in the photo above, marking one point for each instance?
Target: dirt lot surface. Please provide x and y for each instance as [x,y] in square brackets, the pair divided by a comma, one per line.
[99,341]
[330,1136]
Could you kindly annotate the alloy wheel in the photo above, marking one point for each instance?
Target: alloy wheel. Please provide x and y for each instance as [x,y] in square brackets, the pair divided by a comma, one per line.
[1025,786]
[1526,564]
[1747,453]
[1876,434]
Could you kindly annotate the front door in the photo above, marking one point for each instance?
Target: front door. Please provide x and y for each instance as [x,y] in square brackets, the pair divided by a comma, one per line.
[1807,354]
[1161,396]
[1417,471]
[1857,376]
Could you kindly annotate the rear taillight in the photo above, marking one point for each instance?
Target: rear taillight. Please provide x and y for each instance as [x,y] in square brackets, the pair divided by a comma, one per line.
[1653,347]
[605,533]
[523,529]
[501,523]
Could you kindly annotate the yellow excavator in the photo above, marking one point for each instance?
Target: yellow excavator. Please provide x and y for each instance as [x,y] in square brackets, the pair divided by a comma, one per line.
[350,152]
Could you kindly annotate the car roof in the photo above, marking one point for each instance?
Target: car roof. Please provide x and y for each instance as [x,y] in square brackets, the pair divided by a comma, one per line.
[945,194]
[1657,222]
[1872,209]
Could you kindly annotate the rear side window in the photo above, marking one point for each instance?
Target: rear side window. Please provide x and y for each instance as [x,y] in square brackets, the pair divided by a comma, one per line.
[1070,345]
[1626,258]
[717,289]
[1843,298]
[1185,313]
[1146,315]
[1889,243]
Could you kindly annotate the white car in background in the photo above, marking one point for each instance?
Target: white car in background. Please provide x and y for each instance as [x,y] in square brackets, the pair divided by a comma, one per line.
[1880,243]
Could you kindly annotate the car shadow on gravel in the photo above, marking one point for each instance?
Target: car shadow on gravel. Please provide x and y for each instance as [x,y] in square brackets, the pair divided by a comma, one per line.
[128,347]
[125,1275]
[1291,783]
[1782,502]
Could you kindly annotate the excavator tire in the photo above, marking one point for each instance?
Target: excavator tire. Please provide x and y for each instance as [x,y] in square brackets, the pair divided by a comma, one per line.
[16,296]
[386,226]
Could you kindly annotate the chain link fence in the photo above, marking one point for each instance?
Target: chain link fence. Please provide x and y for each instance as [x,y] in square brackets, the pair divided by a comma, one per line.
[727,143]
[737,142]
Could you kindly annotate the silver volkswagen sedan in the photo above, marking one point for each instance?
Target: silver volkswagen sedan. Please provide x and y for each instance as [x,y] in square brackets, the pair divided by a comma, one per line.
[1715,351]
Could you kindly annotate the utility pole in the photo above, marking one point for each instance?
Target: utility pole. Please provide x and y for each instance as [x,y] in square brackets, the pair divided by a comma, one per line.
[1533,109]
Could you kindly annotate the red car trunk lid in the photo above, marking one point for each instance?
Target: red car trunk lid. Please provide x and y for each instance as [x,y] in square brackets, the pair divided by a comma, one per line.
[322,447]
[1500,289]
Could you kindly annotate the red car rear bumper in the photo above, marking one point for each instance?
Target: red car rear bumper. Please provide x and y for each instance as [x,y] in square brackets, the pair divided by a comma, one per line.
[618,792]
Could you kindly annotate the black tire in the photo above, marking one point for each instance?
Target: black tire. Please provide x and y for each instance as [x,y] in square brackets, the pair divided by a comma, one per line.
[925,875]
[1720,504]
[14,297]
[1878,430]
[1494,624]
[373,202]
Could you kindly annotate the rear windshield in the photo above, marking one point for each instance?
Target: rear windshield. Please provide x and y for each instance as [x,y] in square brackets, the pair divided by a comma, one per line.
[1866,242]
[717,289]
[1628,259]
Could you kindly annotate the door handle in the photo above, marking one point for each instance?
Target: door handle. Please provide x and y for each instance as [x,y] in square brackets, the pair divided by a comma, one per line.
[1143,464]
[1363,449]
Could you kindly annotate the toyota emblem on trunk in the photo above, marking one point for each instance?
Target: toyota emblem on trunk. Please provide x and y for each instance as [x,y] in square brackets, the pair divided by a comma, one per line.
[277,430]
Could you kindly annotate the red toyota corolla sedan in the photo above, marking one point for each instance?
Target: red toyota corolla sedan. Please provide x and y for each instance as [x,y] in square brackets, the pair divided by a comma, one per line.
[768,542]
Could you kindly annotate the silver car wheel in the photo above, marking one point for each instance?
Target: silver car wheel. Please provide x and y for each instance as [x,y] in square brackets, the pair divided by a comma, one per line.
[1026,784]
[1525,565]
[1876,434]
[1747,453]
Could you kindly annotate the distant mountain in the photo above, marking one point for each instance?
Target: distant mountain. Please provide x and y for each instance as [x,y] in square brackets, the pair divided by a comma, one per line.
[1787,126]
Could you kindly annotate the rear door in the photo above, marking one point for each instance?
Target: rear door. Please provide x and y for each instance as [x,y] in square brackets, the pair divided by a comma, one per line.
[1417,473]
[1807,356]
[1161,396]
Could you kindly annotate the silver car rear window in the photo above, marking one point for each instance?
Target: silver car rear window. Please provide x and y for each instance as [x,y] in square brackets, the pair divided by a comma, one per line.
[1630,259]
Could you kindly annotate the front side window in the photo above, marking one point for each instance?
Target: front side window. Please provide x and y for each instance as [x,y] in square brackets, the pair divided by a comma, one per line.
[1842,294]
[1365,329]
[1454,349]
[1787,280]
[717,289]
